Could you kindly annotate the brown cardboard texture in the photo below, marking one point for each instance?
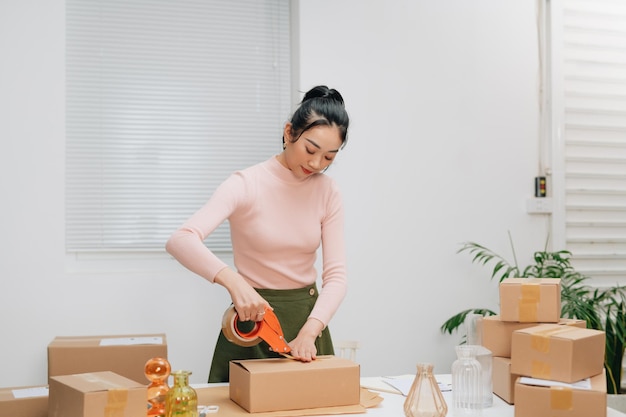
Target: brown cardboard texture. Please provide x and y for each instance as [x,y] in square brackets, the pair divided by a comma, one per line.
[497,333]
[96,394]
[530,300]
[557,353]
[536,401]
[259,385]
[503,379]
[24,401]
[125,355]
[220,397]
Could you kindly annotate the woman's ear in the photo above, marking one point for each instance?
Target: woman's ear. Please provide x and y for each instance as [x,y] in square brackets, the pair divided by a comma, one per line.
[287,133]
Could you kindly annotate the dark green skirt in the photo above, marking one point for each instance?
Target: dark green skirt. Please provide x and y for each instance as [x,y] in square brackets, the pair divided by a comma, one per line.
[292,307]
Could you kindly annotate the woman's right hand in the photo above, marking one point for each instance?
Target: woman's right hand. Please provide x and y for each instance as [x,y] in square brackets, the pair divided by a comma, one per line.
[248,303]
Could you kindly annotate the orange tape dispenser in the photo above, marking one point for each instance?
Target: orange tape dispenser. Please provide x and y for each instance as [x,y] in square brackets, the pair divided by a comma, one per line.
[267,329]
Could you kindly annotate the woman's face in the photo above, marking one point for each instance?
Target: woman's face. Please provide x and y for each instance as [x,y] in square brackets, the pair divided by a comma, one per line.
[313,152]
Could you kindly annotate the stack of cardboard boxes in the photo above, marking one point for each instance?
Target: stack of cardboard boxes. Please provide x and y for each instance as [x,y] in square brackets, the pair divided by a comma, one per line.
[89,377]
[537,355]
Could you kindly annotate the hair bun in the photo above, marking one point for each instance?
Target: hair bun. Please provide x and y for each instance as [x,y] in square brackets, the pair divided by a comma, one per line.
[322,91]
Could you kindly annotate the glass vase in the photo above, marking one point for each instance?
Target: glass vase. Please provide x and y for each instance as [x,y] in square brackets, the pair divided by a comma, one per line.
[425,398]
[157,370]
[467,383]
[474,325]
[181,399]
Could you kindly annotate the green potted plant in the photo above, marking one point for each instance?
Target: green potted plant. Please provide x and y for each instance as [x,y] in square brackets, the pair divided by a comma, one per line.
[602,308]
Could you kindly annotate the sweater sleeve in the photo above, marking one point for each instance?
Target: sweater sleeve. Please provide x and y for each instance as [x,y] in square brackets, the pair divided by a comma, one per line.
[187,243]
[334,281]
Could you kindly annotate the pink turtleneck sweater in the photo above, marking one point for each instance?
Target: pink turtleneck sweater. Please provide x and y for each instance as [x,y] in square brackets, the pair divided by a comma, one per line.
[277,223]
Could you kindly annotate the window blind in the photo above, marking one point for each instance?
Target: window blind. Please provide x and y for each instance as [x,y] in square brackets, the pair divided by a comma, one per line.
[592,51]
[165,98]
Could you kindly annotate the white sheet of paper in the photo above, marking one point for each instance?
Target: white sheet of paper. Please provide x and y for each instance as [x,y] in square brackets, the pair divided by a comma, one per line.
[30,392]
[375,383]
[583,384]
[126,341]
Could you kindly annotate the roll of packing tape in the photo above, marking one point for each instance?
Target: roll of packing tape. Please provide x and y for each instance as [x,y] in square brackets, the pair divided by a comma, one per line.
[234,334]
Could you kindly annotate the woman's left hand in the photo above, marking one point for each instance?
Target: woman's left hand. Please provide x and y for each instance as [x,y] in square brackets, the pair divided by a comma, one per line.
[303,346]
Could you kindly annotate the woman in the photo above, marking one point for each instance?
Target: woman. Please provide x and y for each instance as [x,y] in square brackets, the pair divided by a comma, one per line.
[280,211]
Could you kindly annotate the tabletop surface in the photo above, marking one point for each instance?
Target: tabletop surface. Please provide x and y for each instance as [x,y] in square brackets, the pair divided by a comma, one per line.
[393,403]
[393,400]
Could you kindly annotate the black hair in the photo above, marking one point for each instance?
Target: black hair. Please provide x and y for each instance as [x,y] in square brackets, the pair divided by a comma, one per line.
[321,106]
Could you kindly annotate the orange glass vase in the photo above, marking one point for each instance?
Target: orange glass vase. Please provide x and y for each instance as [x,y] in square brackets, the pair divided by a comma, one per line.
[425,398]
[157,370]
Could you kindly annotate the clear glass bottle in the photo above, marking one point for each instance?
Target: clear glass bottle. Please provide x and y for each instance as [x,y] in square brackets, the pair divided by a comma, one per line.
[467,384]
[473,325]
[181,399]
[425,398]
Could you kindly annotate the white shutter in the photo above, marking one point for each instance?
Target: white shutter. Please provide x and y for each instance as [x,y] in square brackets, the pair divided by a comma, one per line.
[591,79]
[165,98]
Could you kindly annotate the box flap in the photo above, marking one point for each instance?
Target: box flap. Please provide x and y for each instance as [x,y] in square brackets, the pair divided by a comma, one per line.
[573,322]
[89,341]
[542,281]
[560,332]
[97,381]
[288,365]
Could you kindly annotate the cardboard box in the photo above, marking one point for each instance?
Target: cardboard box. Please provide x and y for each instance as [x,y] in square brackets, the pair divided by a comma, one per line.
[503,380]
[259,385]
[125,355]
[218,395]
[96,394]
[29,401]
[530,300]
[497,333]
[535,401]
[558,353]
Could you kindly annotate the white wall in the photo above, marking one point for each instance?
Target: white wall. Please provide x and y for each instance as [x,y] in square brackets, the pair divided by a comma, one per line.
[443,148]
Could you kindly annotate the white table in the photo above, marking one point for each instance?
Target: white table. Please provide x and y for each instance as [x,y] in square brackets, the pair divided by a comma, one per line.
[392,404]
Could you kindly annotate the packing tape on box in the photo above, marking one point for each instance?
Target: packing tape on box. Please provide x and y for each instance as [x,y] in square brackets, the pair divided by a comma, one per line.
[561,398]
[541,370]
[117,397]
[527,311]
[95,379]
[531,293]
[540,341]
[531,290]
[116,403]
